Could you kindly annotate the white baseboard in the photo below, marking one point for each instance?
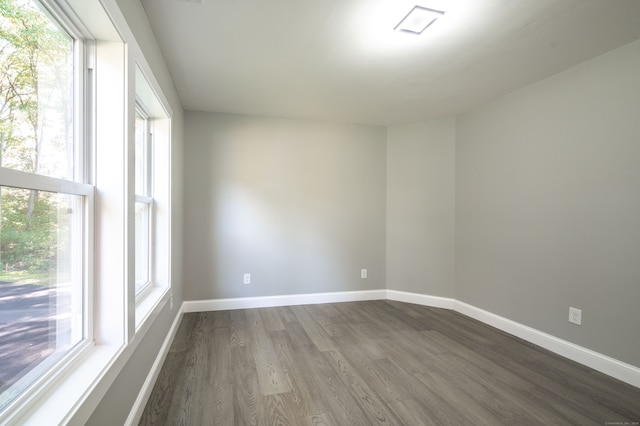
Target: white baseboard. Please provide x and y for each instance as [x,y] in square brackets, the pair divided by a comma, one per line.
[286,300]
[602,363]
[421,299]
[143,396]
[607,365]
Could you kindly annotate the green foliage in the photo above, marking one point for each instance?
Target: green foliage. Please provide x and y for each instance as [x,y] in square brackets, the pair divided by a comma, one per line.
[32,51]
[33,55]
[28,244]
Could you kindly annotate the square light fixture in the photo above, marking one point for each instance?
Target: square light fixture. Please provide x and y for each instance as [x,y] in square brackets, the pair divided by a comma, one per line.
[418,19]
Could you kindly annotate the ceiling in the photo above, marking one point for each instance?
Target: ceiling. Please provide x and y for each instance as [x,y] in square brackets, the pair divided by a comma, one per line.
[341,61]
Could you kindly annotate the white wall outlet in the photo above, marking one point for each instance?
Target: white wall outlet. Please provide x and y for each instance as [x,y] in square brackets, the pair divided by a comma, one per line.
[247,278]
[575,316]
[363,273]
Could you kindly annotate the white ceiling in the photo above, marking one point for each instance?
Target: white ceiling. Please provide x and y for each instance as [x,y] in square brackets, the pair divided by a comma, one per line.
[340,60]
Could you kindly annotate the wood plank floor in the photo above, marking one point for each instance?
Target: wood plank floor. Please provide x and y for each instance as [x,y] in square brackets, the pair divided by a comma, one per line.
[367,363]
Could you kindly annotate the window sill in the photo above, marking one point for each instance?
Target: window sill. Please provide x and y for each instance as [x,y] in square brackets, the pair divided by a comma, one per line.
[72,391]
[148,308]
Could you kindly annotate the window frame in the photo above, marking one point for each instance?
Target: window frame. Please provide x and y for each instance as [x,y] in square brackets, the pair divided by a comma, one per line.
[155,108]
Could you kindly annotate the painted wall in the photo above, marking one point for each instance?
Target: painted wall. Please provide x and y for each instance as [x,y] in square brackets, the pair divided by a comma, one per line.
[116,404]
[299,205]
[548,204]
[421,207]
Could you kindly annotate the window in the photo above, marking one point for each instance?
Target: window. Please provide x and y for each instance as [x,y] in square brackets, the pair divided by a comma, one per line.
[45,202]
[144,202]
[152,171]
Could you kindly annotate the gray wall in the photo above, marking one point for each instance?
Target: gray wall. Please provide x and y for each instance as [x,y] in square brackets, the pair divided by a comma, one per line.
[116,404]
[118,401]
[548,204]
[299,205]
[421,207]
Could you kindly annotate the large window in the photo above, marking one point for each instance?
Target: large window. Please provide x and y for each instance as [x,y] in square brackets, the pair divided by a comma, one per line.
[45,202]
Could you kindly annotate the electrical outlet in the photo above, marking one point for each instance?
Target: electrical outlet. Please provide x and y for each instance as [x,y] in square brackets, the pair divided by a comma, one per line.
[247,278]
[575,316]
[363,273]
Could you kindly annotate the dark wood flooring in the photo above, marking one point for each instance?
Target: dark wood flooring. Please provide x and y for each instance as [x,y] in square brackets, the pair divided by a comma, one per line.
[366,363]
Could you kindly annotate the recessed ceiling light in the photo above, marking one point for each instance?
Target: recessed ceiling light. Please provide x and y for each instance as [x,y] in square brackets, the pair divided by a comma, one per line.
[418,19]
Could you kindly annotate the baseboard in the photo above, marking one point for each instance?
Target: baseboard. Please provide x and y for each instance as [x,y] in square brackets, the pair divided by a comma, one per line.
[285,300]
[421,299]
[602,363]
[143,396]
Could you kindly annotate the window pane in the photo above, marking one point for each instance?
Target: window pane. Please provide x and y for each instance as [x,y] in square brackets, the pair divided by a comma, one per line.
[142,184]
[36,92]
[143,213]
[41,289]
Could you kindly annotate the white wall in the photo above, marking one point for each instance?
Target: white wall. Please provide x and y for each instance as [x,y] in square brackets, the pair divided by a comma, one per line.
[299,205]
[548,204]
[421,207]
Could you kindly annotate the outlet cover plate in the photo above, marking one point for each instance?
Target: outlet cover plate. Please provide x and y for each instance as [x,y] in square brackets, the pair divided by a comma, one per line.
[575,316]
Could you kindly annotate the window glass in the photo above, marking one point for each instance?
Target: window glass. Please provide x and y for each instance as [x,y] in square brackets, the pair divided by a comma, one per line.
[142,155]
[36,92]
[40,307]
[142,258]
[144,202]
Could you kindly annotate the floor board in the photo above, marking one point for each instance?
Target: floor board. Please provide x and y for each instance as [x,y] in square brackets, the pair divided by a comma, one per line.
[374,362]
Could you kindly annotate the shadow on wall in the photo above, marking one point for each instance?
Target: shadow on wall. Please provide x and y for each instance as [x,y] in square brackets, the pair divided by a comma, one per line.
[288,248]
[299,205]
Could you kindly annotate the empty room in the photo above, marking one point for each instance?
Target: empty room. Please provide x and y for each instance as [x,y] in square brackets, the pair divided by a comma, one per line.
[319,212]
